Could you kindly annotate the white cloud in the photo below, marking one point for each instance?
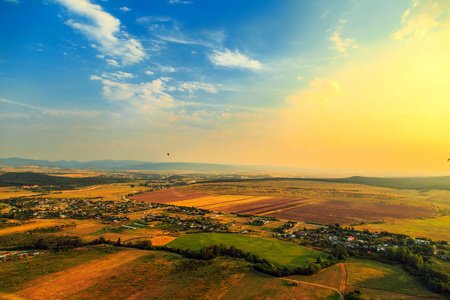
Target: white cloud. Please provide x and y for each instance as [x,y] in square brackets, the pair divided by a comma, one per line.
[167,69]
[179,2]
[142,97]
[118,75]
[192,86]
[234,59]
[112,62]
[153,19]
[104,31]
[125,9]
[12,1]
[342,44]
[149,73]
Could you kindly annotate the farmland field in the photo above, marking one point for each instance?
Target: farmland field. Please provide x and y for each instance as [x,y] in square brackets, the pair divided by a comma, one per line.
[154,274]
[349,212]
[259,286]
[321,202]
[277,252]
[17,275]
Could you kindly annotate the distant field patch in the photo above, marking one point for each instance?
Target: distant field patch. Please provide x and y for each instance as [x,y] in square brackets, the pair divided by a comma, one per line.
[433,228]
[277,252]
[168,195]
[162,240]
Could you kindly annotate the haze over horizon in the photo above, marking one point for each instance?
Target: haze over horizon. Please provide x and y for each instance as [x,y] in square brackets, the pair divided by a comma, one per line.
[310,84]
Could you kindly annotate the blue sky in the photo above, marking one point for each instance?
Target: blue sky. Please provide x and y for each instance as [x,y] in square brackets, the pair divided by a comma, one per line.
[244,82]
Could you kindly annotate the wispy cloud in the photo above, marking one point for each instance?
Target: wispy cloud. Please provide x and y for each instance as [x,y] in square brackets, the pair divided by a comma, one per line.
[192,86]
[169,30]
[125,9]
[118,75]
[179,2]
[230,59]
[105,32]
[52,111]
[12,1]
[342,44]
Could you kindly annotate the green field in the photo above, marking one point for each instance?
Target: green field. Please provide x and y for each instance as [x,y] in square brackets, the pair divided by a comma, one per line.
[277,252]
[378,280]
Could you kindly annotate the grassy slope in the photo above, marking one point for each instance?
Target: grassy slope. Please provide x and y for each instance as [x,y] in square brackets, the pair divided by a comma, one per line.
[378,280]
[277,252]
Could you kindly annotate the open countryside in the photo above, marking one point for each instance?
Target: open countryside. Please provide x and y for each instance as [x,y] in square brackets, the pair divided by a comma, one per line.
[232,244]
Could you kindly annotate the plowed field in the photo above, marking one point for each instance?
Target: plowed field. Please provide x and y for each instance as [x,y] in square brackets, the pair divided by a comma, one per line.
[348,212]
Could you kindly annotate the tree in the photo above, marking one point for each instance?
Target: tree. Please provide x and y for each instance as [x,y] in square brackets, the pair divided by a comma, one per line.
[354,295]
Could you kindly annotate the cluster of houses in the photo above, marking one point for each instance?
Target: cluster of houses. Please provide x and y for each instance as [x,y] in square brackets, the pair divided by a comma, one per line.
[34,186]
[79,208]
[257,221]
[18,255]
[203,223]
[188,210]
[348,238]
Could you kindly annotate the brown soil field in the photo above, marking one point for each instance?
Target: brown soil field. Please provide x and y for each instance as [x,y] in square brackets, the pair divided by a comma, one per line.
[267,205]
[347,212]
[218,202]
[62,284]
[168,195]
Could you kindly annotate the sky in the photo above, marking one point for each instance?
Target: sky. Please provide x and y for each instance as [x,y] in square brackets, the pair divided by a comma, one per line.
[342,85]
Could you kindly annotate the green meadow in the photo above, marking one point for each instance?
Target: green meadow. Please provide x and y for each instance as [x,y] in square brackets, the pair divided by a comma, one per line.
[277,252]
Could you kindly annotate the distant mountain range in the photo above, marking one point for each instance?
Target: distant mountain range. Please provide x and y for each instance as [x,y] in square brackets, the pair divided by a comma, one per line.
[116,165]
